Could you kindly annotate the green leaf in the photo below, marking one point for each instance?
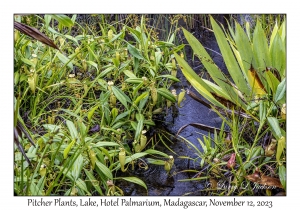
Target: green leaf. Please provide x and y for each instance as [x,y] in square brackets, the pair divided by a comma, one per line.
[131,158]
[68,148]
[282,31]
[155,161]
[272,81]
[129,74]
[47,20]
[120,96]
[91,112]
[29,62]
[274,125]
[260,48]
[143,102]
[64,20]
[134,80]
[121,116]
[81,184]
[158,56]
[41,183]
[65,60]
[93,181]
[243,46]
[116,36]
[155,152]
[106,71]
[52,128]
[134,52]
[169,77]
[274,33]
[166,94]
[77,167]
[134,180]
[139,126]
[140,97]
[206,60]
[72,38]
[104,170]
[262,111]
[37,190]
[280,147]
[229,59]
[196,81]
[282,176]
[92,63]
[280,93]
[278,56]
[118,125]
[105,144]
[72,129]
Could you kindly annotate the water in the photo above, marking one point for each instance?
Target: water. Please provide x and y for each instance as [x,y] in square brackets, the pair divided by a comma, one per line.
[160,183]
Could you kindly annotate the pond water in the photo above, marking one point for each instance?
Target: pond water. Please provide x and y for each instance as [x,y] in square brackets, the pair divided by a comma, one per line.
[159,183]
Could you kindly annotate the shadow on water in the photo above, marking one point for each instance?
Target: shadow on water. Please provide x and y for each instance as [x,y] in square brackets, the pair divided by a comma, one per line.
[159,183]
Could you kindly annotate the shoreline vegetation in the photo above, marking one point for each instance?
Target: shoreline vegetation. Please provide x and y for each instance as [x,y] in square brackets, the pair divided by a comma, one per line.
[92,92]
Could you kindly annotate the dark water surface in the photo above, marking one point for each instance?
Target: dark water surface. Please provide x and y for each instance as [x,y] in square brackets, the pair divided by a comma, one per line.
[159,183]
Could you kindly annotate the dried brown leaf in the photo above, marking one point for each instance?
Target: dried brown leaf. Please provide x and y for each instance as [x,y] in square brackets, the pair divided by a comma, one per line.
[264,180]
[35,34]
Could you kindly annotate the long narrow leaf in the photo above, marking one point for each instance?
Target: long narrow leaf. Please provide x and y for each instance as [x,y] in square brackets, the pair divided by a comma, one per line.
[34,33]
[135,180]
[260,48]
[229,59]
[104,170]
[196,81]
[277,53]
[120,96]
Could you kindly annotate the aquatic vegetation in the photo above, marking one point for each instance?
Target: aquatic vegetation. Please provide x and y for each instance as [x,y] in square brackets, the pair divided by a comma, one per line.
[249,99]
[88,104]
[89,93]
